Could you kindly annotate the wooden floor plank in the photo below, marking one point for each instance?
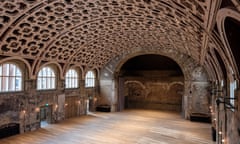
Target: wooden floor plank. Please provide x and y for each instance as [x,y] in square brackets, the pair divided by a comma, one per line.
[130,126]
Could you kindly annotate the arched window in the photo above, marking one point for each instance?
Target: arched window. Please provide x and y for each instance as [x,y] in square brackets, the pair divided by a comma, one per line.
[46,79]
[10,78]
[90,79]
[233,86]
[71,79]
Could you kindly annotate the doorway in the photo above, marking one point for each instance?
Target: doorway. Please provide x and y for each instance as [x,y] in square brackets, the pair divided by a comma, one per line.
[45,115]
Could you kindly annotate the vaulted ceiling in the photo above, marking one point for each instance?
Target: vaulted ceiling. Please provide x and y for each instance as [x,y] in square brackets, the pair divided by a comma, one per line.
[92,32]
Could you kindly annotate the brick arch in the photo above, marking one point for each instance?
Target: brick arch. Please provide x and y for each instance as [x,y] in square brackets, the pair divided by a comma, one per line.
[187,64]
[193,74]
[221,17]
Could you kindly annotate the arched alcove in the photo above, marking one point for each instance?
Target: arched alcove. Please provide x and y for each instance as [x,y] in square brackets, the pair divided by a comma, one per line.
[232,31]
[151,82]
[195,81]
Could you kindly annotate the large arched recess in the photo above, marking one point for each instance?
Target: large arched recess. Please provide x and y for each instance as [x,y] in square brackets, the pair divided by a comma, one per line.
[228,22]
[196,85]
[151,82]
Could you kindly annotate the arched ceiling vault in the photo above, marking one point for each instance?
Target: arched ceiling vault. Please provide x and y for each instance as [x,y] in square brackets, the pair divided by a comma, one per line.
[93,32]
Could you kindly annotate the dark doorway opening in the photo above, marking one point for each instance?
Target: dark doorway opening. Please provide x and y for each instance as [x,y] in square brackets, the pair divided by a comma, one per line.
[232,28]
[45,115]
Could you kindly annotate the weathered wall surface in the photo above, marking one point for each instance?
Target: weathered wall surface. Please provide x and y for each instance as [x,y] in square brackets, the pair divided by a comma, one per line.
[228,121]
[23,108]
[196,94]
[151,91]
[107,89]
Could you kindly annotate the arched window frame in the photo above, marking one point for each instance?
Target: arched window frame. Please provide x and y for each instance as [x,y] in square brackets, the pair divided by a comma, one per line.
[232,88]
[90,79]
[10,78]
[71,79]
[46,79]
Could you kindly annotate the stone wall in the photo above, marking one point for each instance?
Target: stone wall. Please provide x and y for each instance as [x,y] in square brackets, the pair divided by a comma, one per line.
[154,90]
[196,94]
[23,108]
[228,122]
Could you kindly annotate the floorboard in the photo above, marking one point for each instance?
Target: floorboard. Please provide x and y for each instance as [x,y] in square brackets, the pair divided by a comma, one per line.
[127,127]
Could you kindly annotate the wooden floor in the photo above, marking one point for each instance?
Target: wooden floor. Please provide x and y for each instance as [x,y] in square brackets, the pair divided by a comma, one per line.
[128,127]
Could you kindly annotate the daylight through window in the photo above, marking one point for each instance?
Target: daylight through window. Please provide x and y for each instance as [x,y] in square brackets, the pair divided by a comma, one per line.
[90,79]
[10,78]
[71,79]
[46,79]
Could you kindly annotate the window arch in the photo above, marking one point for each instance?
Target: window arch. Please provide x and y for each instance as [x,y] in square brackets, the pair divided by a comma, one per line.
[71,79]
[10,77]
[90,79]
[46,79]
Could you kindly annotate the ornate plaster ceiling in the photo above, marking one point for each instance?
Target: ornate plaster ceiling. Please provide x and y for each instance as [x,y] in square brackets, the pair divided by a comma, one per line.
[92,32]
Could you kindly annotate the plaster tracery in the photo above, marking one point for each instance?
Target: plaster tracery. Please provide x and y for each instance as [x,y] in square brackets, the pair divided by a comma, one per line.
[101,35]
[94,32]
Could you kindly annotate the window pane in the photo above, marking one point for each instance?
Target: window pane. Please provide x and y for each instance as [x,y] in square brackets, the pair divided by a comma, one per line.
[90,79]
[0,70]
[43,83]
[18,73]
[46,79]
[5,70]
[5,83]
[18,83]
[10,78]
[233,86]
[52,83]
[75,82]
[0,84]
[71,79]
[11,83]
[49,81]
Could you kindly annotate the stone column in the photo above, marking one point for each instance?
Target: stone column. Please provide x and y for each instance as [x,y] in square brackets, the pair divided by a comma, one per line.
[220,115]
[83,98]
[29,110]
[58,113]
